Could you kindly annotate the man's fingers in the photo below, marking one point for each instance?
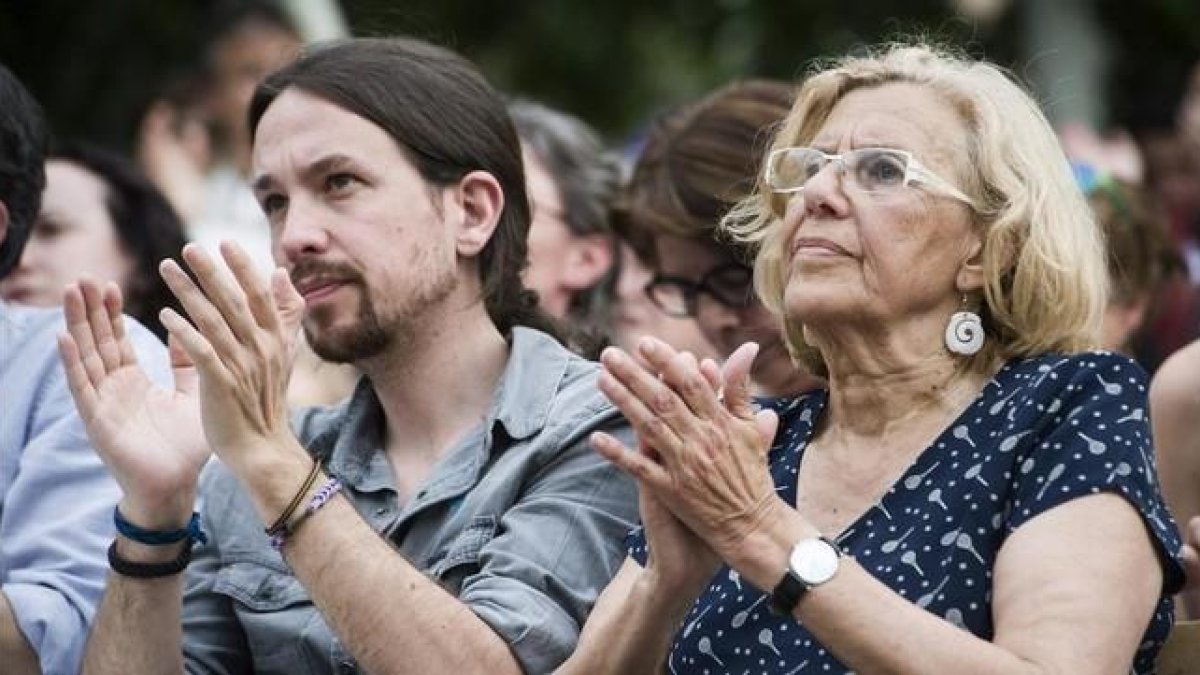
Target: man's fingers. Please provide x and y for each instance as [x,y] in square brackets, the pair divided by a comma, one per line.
[197,348]
[206,318]
[114,304]
[223,293]
[78,325]
[78,380]
[101,325]
[288,300]
[182,368]
[259,298]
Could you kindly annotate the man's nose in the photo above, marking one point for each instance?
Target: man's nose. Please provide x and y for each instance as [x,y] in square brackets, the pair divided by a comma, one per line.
[301,232]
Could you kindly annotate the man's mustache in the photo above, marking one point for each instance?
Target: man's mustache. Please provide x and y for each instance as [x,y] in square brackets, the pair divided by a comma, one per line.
[320,269]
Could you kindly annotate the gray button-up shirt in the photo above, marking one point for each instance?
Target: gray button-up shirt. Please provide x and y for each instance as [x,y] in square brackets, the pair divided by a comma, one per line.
[522,521]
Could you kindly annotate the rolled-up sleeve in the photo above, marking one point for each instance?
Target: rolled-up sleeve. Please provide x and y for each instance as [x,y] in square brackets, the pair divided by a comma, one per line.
[56,521]
[553,553]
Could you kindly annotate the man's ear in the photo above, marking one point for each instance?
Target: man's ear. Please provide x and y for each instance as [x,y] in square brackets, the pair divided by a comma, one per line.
[481,200]
[589,258]
[3,222]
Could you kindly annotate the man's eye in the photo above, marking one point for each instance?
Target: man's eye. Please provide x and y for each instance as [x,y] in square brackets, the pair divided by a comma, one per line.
[47,230]
[272,204]
[340,181]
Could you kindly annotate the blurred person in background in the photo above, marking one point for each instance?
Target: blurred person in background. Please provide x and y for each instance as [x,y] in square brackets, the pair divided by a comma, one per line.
[100,218]
[698,161]
[1141,255]
[634,315]
[1172,159]
[195,144]
[572,180]
[206,178]
[56,498]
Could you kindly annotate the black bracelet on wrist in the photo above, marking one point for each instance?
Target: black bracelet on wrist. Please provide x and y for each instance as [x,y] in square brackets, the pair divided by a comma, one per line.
[136,570]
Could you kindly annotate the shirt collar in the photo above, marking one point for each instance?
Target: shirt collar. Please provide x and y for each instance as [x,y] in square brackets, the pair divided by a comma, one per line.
[521,407]
[531,379]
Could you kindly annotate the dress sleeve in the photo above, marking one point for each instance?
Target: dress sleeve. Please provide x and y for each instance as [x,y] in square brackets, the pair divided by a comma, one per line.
[1094,436]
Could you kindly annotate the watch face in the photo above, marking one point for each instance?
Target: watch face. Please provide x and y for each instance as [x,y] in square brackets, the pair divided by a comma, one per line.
[814,560]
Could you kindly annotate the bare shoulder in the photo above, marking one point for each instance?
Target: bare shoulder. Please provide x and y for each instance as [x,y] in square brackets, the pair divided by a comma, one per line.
[1175,389]
[1175,416]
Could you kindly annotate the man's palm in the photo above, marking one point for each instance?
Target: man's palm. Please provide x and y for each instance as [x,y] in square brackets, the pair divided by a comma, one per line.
[147,433]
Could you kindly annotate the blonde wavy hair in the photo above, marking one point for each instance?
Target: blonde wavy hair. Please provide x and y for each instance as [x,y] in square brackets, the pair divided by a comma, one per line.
[1046,281]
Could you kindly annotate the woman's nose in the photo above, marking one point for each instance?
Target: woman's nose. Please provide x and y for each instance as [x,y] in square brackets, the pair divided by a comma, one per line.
[824,193]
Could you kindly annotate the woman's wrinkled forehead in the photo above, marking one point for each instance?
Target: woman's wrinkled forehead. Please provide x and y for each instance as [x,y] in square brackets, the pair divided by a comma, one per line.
[899,115]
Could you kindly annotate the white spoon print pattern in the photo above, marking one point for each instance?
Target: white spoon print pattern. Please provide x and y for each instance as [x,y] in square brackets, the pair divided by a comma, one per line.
[913,482]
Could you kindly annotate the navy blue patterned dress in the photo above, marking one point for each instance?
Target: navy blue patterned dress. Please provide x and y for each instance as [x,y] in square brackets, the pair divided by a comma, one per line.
[1043,431]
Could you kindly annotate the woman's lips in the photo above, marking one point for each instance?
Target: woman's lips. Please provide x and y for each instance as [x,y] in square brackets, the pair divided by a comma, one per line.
[816,246]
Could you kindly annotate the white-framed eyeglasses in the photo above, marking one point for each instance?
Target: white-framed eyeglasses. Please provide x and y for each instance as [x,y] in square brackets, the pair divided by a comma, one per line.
[874,170]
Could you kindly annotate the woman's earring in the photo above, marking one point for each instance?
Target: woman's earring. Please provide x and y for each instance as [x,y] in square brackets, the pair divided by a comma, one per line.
[964,333]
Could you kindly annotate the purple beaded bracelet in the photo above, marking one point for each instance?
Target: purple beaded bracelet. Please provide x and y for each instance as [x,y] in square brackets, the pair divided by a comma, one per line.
[320,498]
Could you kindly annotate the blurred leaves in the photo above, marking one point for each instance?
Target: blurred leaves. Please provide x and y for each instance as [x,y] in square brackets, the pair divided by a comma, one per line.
[615,63]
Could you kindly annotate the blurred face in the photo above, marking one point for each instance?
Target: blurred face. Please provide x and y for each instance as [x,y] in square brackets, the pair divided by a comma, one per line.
[562,264]
[1176,172]
[1122,320]
[635,316]
[354,223]
[725,327]
[1189,112]
[241,61]
[73,236]
[884,257]
[549,240]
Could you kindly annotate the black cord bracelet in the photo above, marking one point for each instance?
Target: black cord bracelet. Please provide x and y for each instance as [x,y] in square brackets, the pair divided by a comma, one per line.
[136,570]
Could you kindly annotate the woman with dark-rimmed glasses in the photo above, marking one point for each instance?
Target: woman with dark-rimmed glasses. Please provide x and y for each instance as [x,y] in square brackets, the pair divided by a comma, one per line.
[698,161]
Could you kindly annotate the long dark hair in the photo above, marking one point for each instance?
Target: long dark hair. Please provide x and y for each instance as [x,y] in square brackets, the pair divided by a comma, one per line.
[448,121]
[22,176]
[147,227]
[699,160]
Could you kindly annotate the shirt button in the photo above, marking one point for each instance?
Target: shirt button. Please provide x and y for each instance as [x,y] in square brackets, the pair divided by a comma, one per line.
[381,511]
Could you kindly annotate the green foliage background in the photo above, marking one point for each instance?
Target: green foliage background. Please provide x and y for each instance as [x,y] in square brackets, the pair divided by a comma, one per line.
[95,65]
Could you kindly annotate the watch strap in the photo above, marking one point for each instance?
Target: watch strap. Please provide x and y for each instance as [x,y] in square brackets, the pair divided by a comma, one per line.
[787,594]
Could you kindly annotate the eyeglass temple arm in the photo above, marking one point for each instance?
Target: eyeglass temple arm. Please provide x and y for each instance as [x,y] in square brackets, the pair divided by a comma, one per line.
[921,174]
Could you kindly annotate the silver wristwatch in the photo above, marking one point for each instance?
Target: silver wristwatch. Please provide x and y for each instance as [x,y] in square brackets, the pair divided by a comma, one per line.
[811,563]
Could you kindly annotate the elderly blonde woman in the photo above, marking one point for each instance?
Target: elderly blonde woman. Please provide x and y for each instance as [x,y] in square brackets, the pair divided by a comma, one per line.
[974,491]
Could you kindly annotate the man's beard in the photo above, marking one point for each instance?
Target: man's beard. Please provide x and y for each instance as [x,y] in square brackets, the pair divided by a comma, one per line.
[371,334]
[364,338]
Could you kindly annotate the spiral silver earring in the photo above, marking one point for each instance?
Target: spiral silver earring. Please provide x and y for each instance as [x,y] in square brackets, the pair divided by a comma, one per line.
[964,333]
